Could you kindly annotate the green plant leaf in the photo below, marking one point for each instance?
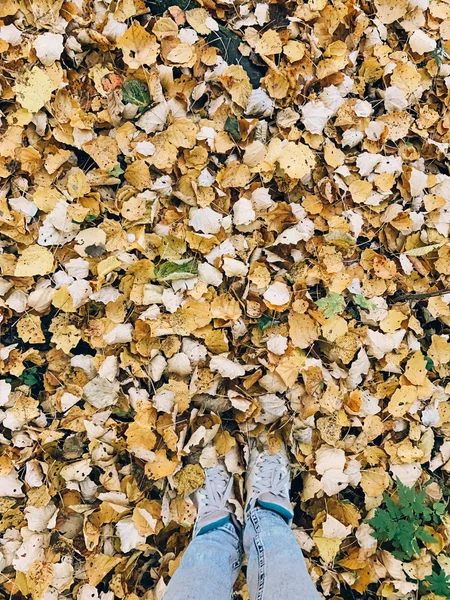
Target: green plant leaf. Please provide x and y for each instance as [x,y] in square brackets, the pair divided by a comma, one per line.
[232,127]
[117,171]
[29,376]
[175,270]
[332,304]
[402,522]
[429,363]
[361,301]
[439,583]
[425,536]
[264,322]
[439,509]
[136,92]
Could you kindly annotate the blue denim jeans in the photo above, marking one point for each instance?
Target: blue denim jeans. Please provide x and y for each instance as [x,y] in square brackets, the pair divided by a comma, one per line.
[276,568]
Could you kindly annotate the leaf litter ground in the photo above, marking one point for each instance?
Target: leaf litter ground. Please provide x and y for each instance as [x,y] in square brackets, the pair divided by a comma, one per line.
[219,221]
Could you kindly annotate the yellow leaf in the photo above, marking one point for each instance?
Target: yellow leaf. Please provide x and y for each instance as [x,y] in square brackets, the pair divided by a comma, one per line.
[416,371]
[389,11]
[333,155]
[165,27]
[33,89]
[269,43]
[197,19]
[34,260]
[181,54]
[29,329]
[225,307]
[223,442]
[296,160]
[189,479]
[234,174]
[302,330]
[138,175]
[140,437]
[182,133]
[104,151]
[39,577]
[406,76]
[25,409]
[99,566]
[235,80]
[294,50]
[392,321]
[66,337]
[108,265]
[63,300]
[139,47]
[161,466]
[77,184]
[402,400]
[126,9]
[327,547]
[360,190]
[6,465]
[9,8]
[289,367]
[334,327]
[439,351]
[146,516]
[374,481]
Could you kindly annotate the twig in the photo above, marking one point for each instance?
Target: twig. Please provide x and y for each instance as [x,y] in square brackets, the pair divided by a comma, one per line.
[418,296]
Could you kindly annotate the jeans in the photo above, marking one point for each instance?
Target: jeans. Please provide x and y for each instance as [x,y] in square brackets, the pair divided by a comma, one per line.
[276,568]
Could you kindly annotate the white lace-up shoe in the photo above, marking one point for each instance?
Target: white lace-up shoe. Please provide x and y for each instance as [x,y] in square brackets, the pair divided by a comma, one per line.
[268,481]
[212,499]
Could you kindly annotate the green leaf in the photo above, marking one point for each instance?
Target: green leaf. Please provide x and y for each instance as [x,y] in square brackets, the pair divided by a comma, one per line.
[117,171]
[402,523]
[361,301]
[384,525]
[405,538]
[439,509]
[232,127]
[429,363]
[136,92]
[264,322]
[425,536]
[29,376]
[394,510]
[332,304]
[175,270]
[439,583]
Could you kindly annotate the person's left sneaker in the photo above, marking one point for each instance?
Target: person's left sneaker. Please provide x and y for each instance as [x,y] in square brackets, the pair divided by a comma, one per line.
[213,509]
[268,481]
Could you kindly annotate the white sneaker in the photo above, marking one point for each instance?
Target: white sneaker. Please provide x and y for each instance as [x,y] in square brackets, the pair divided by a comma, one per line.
[268,481]
[212,499]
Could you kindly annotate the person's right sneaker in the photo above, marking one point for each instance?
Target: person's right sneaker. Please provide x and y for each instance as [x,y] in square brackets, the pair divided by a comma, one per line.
[268,481]
[212,500]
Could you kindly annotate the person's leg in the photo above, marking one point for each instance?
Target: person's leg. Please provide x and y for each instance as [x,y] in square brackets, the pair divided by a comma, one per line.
[276,567]
[209,567]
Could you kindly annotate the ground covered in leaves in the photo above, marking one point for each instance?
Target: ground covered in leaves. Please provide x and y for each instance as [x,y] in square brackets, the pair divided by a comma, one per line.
[217,220]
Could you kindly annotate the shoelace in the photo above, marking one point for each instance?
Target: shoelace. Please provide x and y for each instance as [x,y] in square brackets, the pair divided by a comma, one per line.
[215,493]
[271,475]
